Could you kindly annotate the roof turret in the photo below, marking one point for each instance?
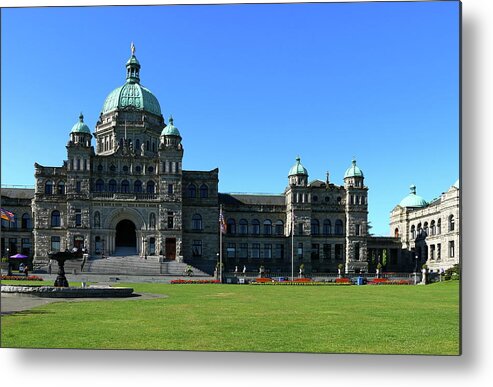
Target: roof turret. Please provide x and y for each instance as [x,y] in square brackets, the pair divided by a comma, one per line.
[298,169]
[80,126]
[353,171]
[170,129]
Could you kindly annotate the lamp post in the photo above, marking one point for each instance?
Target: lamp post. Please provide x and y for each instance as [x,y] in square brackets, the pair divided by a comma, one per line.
[102,250]
[415,268]
[9,269]
[144,244]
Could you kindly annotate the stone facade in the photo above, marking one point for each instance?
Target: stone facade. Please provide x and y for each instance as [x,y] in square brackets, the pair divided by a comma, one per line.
[430,234]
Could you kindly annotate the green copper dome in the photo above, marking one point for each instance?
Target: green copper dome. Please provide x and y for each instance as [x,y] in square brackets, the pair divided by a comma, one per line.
[80,127]
[413,200]
[298,169]
[170,129]
[353,171]
[132,93]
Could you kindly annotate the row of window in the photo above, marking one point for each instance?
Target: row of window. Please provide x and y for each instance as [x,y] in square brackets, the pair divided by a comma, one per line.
[276,251]
[124,186]
[436,251]
[11,244]
[26,222]
[125,168]
[192,191]
[431,229]
[277,228]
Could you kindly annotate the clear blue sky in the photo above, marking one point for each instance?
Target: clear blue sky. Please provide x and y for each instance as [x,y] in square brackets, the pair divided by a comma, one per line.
[250,87]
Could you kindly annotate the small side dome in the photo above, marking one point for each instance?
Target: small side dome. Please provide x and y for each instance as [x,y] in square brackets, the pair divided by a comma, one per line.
[170,129]
[298,169]
[80,126]
[353,171]
[413,200]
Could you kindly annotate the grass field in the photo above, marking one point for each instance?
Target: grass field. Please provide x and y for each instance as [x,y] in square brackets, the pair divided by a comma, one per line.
[353,319]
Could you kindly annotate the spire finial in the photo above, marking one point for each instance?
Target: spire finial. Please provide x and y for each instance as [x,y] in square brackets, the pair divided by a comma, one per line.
[132,48]
[170,120]
[81,117]
[413,189]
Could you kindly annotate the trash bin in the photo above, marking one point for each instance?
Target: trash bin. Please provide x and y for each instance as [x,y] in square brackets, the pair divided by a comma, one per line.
[241,280]
[359,281]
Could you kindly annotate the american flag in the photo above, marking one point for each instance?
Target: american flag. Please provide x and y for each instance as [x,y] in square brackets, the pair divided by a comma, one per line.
[7,215]
[222,222]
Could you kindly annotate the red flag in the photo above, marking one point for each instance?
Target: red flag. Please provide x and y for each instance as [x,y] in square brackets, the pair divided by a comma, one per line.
[7,215]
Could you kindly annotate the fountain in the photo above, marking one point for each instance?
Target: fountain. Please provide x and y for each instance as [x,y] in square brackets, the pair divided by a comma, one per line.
[61,257]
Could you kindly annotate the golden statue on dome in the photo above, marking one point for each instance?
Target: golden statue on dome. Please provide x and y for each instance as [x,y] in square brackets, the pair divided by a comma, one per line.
[132,48]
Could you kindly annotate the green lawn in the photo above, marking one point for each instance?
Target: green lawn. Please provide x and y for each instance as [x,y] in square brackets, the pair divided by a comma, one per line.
[353,319]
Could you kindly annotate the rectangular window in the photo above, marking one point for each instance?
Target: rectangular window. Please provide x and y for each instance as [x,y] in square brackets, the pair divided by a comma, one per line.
[170,220]
[432,252]
[300,250]
[356,251]
[255,250]
[315,251]
[439,251]
[393,256]
[451,249]
[12,246]
[268,251]
[55,243]
[338,252]
[357,230]
[231,250]
[197,248]
[78,217]
[327,251]
[170,189]
[279,251]
[300,228]
[243,250]
[78,186]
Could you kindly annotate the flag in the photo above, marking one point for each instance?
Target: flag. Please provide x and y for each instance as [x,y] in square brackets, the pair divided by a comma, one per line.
[222,222]
[7,215]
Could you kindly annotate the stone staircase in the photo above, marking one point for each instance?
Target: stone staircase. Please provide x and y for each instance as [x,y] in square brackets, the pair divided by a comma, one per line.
[129,265]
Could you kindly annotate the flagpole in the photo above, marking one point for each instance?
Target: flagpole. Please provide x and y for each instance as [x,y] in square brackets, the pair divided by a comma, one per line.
[292,244]
[221,248]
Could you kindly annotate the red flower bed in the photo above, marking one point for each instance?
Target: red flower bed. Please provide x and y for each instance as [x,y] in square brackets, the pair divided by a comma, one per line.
[303,280]
[342,280]
[20,278]
[379,280]
[181,281]
[262,280]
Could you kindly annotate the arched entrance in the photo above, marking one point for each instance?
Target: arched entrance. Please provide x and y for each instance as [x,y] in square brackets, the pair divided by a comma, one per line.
[126,238]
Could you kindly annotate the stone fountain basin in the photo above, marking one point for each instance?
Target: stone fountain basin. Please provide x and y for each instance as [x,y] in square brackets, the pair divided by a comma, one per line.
[92,291]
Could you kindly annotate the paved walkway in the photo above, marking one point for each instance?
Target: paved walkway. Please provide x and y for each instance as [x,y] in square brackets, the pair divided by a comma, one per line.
[12,303]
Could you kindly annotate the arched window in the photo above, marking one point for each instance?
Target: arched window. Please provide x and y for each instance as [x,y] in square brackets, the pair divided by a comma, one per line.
[420,229]
[255,227]
[433,229]
[125,186]
[151,187]
[267,227]
[315,224]
[97,219]
[192,190]
[204,191]
[413,232]
[339,227]
[197,222]
[99,185]
[49,187]
[61,188]
[327,227]
[137,144]
[137,186]
[451,223]
[231,226]
[279,227]
[152,220]
[26,221]
[396,233]
[112,186]
[55,219]
[425,229]
[243,230]
[439,226]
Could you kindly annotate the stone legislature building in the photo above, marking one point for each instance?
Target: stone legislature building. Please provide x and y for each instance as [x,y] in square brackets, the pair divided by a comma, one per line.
[128,196]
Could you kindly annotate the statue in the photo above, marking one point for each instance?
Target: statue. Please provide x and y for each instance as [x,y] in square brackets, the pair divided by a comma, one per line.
[132,48]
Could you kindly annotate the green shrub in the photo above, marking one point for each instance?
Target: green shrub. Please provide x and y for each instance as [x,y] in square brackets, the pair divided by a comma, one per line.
[452,273]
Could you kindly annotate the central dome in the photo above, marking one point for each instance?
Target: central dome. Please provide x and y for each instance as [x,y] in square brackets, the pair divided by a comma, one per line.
[132,93]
